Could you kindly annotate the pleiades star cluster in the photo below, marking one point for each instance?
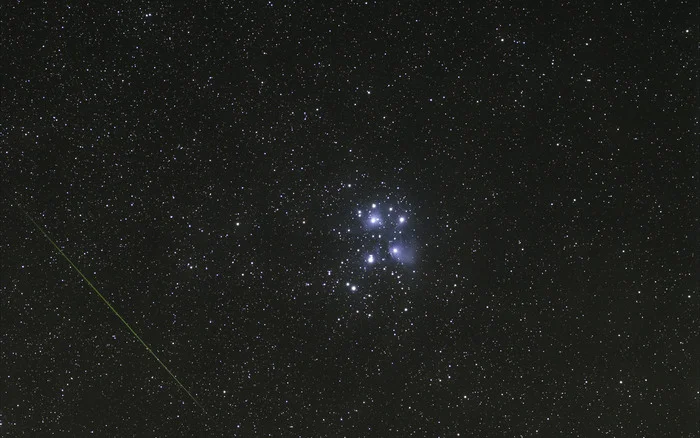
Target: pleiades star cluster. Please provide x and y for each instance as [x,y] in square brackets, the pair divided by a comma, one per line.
[380,241]
[349,219]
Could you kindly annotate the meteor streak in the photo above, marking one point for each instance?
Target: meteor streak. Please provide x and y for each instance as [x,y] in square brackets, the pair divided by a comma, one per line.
[114,311]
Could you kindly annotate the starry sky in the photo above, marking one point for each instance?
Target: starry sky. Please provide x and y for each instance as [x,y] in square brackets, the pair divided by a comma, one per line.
[427,219]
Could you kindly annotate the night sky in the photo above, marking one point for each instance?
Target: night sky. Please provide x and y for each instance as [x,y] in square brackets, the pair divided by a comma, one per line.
[368,220]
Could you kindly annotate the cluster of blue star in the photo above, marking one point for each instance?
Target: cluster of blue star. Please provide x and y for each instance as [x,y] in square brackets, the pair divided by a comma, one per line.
[385,228]
[381,243]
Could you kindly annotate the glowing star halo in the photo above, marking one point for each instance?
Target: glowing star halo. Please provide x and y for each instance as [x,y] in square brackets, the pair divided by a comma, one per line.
[382,240]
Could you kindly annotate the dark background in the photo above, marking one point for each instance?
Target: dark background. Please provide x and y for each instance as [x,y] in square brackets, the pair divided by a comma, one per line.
[547,154]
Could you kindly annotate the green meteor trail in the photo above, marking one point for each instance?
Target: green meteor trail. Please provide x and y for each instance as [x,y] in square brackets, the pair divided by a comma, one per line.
[114,311]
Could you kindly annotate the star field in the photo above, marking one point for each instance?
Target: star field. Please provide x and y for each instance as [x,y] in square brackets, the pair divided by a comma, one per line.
[365,219]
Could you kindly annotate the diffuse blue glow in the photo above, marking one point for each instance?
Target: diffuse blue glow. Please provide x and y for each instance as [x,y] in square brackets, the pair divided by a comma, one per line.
[391,229]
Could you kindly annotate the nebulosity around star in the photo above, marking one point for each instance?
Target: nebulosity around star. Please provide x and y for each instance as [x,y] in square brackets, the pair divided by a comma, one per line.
[379,238]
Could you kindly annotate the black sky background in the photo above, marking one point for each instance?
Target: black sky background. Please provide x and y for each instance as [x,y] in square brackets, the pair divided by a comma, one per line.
[194,161]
